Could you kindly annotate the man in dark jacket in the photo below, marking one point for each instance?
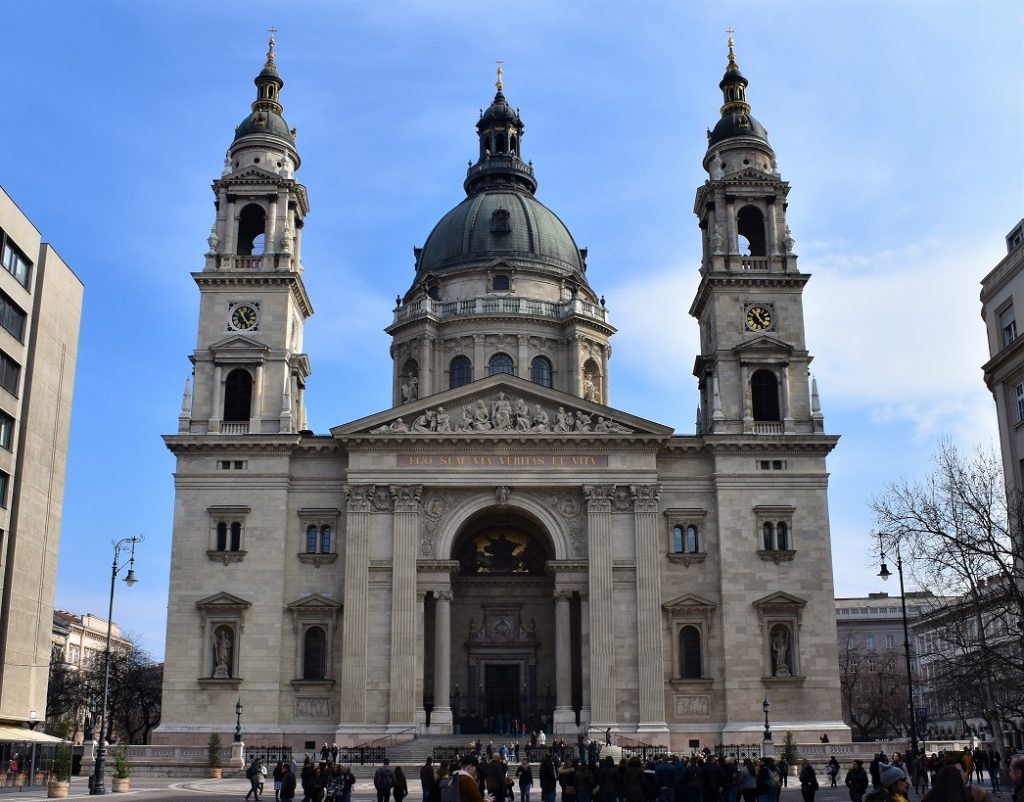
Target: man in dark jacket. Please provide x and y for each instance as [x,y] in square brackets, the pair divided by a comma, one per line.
[857,781]
[427,776]
[288,784]
[548,780]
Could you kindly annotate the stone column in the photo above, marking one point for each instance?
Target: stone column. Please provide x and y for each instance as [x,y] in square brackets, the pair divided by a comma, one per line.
[441,718]
[522,361]
[479,368]
[602,605]
[230,228]
[585,659]
[256,402]
[356,612]
[403,604]
[216,404]
[565,719]
[650,652]
[270,229]
[421,713]
[605,384]
[574,386]
[732,242]
[773,235]
[787,413]
[426,378]
[744,400]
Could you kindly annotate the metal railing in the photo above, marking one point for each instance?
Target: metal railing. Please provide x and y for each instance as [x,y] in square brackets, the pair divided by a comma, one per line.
[362,754]
[269,754]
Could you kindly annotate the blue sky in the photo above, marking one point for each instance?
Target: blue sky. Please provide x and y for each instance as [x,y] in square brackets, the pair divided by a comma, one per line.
[898,125]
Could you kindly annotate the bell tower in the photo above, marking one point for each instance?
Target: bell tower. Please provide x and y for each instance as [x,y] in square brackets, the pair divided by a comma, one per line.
[753,364]
[249,368]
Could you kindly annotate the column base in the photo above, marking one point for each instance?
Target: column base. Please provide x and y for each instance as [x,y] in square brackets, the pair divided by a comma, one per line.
[768,749]
[564,721]
[420,716]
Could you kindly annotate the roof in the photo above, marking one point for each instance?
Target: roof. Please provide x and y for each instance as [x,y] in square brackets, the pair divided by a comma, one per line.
[22,735]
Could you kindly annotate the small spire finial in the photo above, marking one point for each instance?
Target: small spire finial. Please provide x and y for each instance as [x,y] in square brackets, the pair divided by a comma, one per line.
[499,83]
[270,45]
[732,55]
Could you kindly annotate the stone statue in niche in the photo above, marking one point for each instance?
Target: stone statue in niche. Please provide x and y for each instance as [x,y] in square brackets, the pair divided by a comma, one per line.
[716,241]
[410,390]
[780,652]
[223,650]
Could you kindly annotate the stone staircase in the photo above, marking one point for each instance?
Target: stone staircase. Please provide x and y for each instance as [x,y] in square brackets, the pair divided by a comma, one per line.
[415,751]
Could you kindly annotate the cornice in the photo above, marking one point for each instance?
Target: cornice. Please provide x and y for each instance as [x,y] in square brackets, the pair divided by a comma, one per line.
[256,278]
[192,444]
[820,444]
[363,441]
[746,278]
[579,320]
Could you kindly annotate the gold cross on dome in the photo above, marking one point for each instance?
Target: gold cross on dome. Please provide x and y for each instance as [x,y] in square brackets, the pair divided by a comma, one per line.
[499,83]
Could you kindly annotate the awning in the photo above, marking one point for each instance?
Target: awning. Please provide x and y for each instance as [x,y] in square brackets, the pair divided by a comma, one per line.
[23,735]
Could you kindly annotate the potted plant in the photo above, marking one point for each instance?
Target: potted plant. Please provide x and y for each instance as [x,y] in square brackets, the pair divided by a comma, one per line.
[60,771]
[121,769]
[214,755]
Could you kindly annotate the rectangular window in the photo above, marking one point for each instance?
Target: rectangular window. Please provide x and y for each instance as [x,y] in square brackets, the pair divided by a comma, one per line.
[15,262]
[1020,402]
[890,641]
[6,431]
[1008,324]
[5,479]
[12,317]
[10,373]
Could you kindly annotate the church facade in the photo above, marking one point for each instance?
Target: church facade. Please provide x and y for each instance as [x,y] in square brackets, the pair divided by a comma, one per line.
[500,545]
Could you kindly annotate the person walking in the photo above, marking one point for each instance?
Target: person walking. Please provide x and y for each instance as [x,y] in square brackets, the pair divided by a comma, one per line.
[288,784]
[808,781]
[832,770]
[524,774]
[857,781]
[893,785]
[746,781]
[427,777]
[548,779]
[383,780]
[401,786]
[255,779]
[278,779]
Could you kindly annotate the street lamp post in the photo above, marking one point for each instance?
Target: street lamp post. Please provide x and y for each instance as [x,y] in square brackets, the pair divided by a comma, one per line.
[127,543]
[766,706]
[238,720]
[885,574]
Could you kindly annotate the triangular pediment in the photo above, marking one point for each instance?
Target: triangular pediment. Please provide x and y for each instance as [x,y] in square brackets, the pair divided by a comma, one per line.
[689,601]
[223,601]
[253,173]
[314,601]
[238,342]
[763,343]
[780,599]
[502,405]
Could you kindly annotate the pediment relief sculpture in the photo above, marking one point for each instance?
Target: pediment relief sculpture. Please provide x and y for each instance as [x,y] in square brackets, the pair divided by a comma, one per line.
[503,414]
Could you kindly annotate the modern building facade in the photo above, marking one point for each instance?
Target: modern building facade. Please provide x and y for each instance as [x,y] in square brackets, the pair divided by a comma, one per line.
[40,312]
[501,544]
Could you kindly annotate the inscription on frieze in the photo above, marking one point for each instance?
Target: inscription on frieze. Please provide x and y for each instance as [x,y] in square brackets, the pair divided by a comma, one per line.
[504,462]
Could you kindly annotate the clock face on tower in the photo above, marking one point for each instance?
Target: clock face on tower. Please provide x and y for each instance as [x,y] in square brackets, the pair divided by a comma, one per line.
[758,318]
[243,317]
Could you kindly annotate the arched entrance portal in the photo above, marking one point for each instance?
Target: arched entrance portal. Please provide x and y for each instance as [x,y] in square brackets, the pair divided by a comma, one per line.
[502,625]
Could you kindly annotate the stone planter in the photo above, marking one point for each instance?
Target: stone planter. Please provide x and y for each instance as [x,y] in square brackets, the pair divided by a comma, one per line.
[215,773]
[57,789]
[121,784]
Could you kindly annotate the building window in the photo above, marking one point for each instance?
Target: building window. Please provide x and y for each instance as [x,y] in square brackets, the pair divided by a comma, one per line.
[228,529]
[312,539]
[501,284]
[1008,325]
[15,262]
[890,641]
[690,653]
[541,371]
[775,529]
[500,363]
[869,642]
[1020,402]
[251,226]
[10,373]
[6,430]
[229,536]
[5,480]
[318,539]
[12,317]
[751,232]
[238,396]
[316,535]
[685,540]
[314,654]
[460,372]
[764,396]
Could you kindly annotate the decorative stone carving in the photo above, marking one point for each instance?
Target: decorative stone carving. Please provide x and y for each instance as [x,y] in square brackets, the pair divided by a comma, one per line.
[622,499]
[358,497]
[716,241]
[435,505]
[410,390]
[599,497]
[213,240]
[692,706]
[645,497]
[223,652]
[501,494]
[502,414]
[285,241]
[789,242]
[406,498]
[312,707]
[380,500]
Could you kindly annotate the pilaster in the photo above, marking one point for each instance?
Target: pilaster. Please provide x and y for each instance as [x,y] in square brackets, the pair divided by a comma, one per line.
[602,624]
[356,612]
[650,651]
[403,604]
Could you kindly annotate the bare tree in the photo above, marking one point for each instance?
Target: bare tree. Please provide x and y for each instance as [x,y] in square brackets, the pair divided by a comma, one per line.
[874,693]
[960,535]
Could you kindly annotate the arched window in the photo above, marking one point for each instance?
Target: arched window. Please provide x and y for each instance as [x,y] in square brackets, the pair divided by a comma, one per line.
[222,536]
[460,372]
[541,371]
[500,363]
[677,539]
[782,536]
[238,396]
[750,228]
[251,226]
[764,395]
[691,540]
[236,536]
[768,536]
[311,539]
[314,654]
[690,653]
[325,540]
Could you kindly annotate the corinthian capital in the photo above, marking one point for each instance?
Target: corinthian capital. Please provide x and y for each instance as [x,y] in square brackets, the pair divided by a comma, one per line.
[358,497]
[406,497]
[599,497]
[645,497]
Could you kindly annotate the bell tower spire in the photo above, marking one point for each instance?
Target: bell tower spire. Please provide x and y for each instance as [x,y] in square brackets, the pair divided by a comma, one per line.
[753,366]
[250,372]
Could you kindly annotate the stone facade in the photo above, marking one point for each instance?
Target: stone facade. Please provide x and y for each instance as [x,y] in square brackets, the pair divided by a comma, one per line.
[41,302]
[502,543]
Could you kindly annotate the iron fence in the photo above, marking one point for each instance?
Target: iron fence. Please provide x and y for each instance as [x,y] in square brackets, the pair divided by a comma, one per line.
[270,754]
[362,754]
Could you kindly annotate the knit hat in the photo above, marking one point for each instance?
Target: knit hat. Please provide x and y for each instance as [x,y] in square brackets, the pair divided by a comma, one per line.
[890,775]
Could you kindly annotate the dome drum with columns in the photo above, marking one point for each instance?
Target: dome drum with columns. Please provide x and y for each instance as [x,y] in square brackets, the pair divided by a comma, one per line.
[500,547]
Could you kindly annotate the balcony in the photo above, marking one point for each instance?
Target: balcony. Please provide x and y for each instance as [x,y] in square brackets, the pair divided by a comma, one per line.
[763,427]
[754,262]
[234,428]
[502,306]
[248,262]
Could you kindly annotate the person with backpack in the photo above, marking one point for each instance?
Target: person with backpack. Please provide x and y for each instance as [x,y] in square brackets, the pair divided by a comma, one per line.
[464,784]
[383,781]
[524,773]
[255,779]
